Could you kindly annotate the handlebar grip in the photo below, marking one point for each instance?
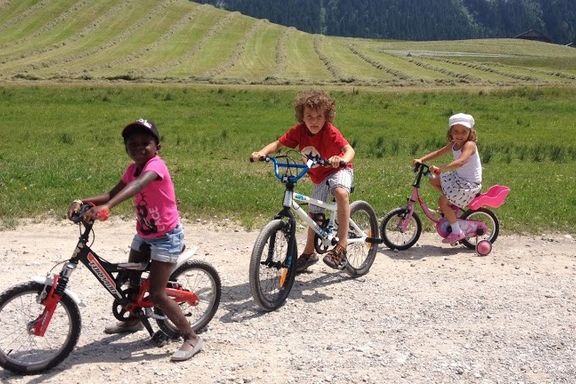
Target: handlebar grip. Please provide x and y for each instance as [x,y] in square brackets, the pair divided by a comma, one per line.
[103,215]
[261,158]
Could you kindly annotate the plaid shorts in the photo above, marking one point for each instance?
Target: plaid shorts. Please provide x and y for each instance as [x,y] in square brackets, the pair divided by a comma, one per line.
[343,178]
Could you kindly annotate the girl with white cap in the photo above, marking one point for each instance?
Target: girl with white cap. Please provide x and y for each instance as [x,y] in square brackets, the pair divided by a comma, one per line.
[460,180]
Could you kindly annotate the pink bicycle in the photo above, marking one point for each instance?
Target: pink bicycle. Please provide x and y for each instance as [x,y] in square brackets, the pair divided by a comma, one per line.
[401,227]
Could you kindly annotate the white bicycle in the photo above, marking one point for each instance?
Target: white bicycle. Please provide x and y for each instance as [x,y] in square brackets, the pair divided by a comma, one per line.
[273,260]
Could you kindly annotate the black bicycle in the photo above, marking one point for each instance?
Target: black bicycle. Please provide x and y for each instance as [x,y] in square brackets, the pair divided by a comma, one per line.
[40,320]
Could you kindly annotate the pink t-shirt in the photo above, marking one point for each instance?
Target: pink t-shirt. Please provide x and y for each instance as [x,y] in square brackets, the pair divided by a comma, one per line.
[326,143]
[156,210]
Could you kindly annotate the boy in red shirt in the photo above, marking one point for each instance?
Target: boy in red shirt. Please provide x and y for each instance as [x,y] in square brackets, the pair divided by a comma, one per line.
[314,135]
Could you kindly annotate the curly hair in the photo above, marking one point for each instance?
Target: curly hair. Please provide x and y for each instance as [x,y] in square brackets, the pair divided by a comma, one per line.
[317,100]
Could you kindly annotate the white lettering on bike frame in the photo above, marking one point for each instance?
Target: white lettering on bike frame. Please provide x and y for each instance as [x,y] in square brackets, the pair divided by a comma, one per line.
[103,275]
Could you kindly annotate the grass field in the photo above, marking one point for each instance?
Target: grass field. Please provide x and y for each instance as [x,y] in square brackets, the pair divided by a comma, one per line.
[179,41]
[221,84]
[61,143]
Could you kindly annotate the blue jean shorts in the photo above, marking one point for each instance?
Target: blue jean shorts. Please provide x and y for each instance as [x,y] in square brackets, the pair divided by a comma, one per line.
[165,249]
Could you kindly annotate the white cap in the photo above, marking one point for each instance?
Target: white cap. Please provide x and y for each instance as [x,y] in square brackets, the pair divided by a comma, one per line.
[462,119]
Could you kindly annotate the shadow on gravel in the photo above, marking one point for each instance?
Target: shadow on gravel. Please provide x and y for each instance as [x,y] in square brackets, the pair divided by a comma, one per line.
[420,252]
[108,349]
[238,305]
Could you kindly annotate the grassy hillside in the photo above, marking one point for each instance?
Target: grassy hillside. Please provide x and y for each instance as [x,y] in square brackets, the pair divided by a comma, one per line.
[178,41]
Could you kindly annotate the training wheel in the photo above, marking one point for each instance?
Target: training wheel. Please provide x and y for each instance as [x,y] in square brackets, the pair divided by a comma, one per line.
[483,248]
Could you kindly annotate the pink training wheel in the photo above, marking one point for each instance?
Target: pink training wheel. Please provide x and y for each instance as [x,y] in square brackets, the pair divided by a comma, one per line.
[483,248]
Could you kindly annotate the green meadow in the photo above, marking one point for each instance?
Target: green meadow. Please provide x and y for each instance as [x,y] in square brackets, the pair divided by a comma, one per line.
[60,143]
[220,85]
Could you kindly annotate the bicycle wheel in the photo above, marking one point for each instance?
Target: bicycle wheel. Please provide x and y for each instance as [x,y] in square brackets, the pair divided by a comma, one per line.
[272,271]
[489,219]
[363,223]
[202,279]
[396,238]
[21,351]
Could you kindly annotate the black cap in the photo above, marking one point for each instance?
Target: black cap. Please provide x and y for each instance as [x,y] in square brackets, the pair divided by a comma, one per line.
[141,125]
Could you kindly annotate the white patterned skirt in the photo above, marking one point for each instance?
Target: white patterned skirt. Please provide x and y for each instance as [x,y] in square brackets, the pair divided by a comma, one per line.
[458,191]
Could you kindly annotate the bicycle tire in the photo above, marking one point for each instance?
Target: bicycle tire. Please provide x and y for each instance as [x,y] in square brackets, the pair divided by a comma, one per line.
[391,234]
[361,256]
[489,218]
[271,276]
[201,278]
[35,354]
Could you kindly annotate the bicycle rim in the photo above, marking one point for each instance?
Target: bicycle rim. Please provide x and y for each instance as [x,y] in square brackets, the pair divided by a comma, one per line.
[394,236]
[202,279]
[489,219]
[23,352]
[271,275]
[363,223]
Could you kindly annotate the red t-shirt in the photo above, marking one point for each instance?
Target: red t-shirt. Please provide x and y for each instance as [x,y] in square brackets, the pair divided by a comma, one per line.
[326,143]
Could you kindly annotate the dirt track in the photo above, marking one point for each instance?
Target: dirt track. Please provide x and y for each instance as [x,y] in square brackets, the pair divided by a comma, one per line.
[433,314]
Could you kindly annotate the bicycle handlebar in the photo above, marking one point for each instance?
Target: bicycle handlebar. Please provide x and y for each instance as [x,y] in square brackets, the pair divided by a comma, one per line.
[78,216]
[288,165]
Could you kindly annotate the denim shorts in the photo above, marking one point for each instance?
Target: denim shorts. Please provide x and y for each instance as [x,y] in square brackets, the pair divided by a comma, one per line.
[165,249]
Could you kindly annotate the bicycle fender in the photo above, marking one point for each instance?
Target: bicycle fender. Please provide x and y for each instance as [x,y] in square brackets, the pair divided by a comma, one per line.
[188,253]
[44,280]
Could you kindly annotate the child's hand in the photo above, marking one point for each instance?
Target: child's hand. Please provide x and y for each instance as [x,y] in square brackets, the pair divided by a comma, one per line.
[416,161]
[256,156]
[100,212]
[73,208]
[336,161]
[435,170]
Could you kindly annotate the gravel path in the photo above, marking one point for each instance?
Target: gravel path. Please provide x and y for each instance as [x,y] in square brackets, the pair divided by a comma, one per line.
[432,314]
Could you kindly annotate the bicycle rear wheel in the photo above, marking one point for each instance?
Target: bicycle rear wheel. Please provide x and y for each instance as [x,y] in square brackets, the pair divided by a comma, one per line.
[489,219]
[201,278]
[272,269]
[20,350]
[396,238]
[363,223]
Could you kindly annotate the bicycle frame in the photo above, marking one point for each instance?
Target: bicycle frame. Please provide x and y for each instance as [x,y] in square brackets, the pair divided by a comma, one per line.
[292,198]
[103,270]
[416,198]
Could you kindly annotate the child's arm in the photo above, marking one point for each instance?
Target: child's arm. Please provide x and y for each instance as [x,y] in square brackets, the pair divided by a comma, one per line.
[118,195]
[348,154]
[96,200]
[434,154]
[268,149]
[468,150]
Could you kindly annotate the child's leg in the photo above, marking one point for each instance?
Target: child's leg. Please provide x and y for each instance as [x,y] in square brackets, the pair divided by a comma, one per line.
[309,247]
[447,210]
[159,274]
[435,182]
[343,202]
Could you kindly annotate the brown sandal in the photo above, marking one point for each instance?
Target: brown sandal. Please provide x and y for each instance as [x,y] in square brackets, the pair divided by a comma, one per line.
[336,257]
[306,260]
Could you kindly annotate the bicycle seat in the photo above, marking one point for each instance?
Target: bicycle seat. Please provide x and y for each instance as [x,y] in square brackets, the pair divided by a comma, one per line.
[493,198]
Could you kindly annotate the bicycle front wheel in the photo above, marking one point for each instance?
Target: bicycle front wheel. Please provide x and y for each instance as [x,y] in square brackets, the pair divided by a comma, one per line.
[201,278]
[20,350]
[272,269]
[394,236]
[363,224]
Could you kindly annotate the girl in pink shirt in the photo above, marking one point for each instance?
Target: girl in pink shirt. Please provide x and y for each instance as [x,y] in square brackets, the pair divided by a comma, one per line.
[159,234]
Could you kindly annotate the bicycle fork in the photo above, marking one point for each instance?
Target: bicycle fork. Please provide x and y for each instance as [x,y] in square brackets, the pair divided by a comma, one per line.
[50,296]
